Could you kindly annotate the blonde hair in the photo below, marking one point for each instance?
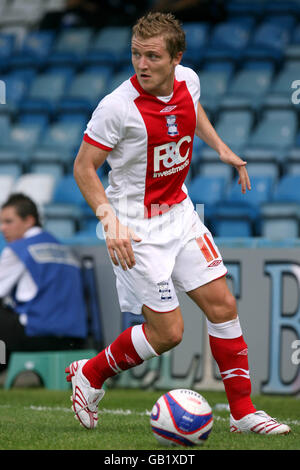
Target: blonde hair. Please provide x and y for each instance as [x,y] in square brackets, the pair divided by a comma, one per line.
[162,24]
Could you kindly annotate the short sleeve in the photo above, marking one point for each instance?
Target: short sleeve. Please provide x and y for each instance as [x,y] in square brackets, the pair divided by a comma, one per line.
[106,124]
[192,80]
[194,83]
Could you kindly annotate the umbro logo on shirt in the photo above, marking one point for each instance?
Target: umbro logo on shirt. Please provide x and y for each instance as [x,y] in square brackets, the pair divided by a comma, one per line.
[168,109]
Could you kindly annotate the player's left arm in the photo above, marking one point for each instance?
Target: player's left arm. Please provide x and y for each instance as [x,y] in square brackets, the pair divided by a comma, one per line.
[208,134]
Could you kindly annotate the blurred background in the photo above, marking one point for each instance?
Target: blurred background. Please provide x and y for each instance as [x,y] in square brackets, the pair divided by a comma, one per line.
[58,58]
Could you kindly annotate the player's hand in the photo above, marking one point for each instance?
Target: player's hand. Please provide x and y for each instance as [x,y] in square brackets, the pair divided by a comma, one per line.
[231,158]
[118,242]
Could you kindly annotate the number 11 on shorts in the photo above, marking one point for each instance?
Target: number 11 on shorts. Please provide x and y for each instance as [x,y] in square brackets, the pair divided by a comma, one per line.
[207,248]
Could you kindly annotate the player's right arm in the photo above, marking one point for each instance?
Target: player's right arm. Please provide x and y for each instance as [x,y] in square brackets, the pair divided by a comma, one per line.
[118,236]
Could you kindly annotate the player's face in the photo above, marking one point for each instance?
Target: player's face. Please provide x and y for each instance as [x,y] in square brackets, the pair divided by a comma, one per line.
[153,65]
[12,225]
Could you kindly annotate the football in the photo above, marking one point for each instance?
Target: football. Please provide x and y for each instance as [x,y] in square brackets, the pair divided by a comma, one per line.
[181,417]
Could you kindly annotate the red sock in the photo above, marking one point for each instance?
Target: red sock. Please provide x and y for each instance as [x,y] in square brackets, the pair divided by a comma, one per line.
[119,356]
[231,355]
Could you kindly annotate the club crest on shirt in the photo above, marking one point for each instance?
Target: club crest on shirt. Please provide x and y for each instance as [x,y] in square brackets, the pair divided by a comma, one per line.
[172,125]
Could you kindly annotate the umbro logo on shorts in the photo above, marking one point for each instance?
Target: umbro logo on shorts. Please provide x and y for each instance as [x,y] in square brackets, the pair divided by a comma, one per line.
[215,263]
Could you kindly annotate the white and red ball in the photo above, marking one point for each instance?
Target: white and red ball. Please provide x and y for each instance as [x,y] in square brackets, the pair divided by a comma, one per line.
[181,417]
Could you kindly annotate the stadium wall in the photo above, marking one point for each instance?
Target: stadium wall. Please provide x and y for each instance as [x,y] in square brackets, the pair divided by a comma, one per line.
[266,284]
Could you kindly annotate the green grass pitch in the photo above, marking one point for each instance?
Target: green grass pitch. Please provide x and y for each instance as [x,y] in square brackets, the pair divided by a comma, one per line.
[40,419]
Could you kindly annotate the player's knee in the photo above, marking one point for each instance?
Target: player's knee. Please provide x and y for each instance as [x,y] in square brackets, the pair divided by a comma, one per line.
[225,310]
[172,338]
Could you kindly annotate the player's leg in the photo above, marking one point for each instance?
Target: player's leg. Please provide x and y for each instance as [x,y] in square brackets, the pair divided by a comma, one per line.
[199,271]
[164,330]
[128,350]
[160,332]
[227,343]
[231,354]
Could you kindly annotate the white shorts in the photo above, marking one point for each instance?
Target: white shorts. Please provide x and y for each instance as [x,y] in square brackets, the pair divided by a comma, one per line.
[177,253]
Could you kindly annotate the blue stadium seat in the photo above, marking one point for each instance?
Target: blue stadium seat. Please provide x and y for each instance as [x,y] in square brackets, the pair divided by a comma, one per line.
[52,156]
[62,210]
[279,94]
[222,65]
[228,40]
[246,19]
[207,190]
[7,47]
[80,118]
[66,71]
[233,219]
[234,126]
[5,124]
[62,136]
[110,46]
[285,9]
[232,227]
[90,225]
[60,228]
[49,168]
[35,49]
[18,82]
[247,89]
[214,168]
[40,119]
[67,204]
[67,192]
[245,7]
[45,92]
[22,139]
[276,130]
[85,91]
[292,50]
[208,163]
[287,189]
[283,19]
[282,83]
[15,90]
[262,162]
[261,191]
[280,220]
[196,37]
[213,87]
[117,79]
[197,147]
[70,46]
[264,168]
[14,169]
[291,163]
[296,35]
[261,64]
[268,41]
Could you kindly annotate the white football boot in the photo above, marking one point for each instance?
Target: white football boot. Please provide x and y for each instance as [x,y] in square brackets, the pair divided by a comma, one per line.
[258,422]
[85,398]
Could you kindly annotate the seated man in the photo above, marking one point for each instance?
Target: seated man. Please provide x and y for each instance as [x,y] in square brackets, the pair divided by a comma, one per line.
[43,279]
